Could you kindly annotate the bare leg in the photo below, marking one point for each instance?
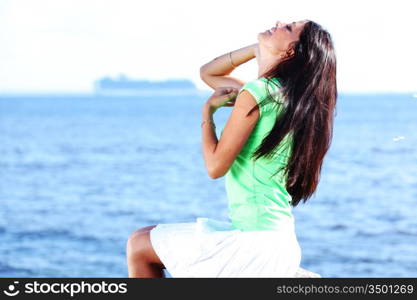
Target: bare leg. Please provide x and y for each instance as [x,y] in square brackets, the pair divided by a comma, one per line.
[142,261]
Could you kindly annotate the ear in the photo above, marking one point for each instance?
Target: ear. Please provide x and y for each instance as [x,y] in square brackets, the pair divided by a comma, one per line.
[288,54]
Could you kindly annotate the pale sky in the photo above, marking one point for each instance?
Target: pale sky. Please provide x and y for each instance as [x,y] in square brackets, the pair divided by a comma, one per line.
[64,45]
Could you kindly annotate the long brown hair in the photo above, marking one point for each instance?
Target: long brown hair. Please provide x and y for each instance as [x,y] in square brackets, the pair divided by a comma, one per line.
[309,90]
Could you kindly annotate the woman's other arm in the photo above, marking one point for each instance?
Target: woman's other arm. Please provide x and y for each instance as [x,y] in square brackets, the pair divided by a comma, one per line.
[216,72]
[219,155]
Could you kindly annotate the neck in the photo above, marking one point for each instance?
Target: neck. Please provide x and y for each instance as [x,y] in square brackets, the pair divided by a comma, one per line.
[266,60]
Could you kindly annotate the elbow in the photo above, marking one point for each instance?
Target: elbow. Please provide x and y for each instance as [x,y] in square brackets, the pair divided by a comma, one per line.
[201,74]
[212,177]
[203,71]
[216,173]
[216,167]
[213,173]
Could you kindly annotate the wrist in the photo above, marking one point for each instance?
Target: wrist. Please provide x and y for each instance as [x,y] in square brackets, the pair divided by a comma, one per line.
[242,55]
[208,109]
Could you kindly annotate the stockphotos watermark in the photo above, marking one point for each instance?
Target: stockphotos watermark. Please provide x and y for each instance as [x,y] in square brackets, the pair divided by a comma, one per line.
[72,289]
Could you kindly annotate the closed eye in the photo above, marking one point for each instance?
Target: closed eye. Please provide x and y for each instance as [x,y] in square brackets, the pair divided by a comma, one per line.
[288,27]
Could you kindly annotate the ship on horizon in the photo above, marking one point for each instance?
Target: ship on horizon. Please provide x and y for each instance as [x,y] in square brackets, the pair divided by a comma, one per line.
[124,86]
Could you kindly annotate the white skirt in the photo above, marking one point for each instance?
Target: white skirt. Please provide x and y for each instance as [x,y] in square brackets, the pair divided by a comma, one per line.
[212,248]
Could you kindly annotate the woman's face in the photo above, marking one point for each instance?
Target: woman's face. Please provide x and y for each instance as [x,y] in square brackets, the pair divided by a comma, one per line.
[278,39]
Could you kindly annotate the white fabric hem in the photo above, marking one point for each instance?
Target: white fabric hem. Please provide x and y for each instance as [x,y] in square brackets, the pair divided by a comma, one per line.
[213,248]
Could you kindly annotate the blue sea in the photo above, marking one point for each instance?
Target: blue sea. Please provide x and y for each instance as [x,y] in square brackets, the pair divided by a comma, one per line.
[79,173]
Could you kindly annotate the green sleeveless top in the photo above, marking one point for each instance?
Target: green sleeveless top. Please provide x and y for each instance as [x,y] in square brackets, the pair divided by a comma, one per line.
[256,201]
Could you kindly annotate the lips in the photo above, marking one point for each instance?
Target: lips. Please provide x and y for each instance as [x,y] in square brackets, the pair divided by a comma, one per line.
[271,31]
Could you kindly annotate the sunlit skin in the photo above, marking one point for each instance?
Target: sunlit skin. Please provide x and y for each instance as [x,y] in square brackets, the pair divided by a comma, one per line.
[275,42]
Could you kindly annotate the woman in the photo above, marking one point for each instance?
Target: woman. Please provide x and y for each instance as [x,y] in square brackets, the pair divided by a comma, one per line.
[271,151]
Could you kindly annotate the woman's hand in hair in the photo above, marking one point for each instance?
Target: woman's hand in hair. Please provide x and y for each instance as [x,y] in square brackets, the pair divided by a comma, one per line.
[222,96]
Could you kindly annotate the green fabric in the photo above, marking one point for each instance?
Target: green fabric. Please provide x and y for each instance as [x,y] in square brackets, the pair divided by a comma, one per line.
[255,201]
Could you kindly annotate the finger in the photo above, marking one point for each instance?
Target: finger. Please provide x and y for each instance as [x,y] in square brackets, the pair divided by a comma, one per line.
[231,95]
[224,89]
[229,90]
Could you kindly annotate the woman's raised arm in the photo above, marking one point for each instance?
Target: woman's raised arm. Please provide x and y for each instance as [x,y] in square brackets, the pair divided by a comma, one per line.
[216,72]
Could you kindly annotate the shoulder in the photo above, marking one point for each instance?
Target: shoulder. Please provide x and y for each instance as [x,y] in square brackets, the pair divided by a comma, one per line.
[262,88]
[263,81]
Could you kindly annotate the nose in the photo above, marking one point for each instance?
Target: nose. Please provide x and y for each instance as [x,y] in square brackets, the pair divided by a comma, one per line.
[279,24]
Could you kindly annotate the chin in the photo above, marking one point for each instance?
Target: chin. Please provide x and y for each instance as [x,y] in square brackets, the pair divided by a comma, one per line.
[259,36]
